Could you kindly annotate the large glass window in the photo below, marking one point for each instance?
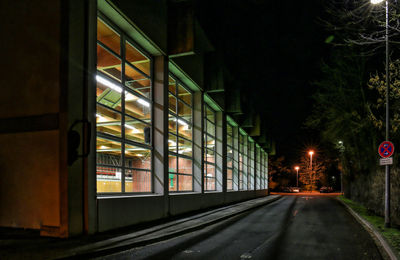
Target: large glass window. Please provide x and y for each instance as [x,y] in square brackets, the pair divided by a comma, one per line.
[236,158]
[229,156]
[242,162]
[209,149]
[265,170]
[180,143]
[123,113]
[251,165]
[258,167]
[245,163]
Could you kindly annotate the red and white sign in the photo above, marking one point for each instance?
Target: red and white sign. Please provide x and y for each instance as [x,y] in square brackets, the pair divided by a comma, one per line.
[386,149]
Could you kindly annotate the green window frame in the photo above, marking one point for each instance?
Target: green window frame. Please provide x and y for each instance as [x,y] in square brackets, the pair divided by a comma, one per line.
[124,148]
[230,156]
[180,133]
[210,142]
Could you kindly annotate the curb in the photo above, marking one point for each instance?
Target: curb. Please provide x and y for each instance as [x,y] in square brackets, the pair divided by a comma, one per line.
[384,248]
[142,242]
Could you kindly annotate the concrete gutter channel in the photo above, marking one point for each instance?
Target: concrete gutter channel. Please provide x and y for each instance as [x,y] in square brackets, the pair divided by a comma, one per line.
[385,249]
[163,231]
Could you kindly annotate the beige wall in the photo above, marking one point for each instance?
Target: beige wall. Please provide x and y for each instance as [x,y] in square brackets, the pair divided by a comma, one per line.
[29,180]
[29,115]
[29,77]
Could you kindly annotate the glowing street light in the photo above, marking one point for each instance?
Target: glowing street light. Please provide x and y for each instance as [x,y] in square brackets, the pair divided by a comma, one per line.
[311,154]
[297,169]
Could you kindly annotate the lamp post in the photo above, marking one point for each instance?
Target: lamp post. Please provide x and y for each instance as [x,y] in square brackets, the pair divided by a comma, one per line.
[387,167]
[312,175]
[297,169]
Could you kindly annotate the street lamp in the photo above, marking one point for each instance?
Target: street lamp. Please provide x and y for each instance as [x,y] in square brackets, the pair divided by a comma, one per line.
[312,179]
[387,169]
[297,169]
[311,154]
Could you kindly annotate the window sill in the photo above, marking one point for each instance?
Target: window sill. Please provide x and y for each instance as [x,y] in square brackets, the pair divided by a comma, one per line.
[125,196]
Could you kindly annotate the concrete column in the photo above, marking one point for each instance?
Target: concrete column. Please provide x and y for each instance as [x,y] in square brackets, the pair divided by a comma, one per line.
[266,171]
[198,142]
[79,59]
[160,129]
[90,181]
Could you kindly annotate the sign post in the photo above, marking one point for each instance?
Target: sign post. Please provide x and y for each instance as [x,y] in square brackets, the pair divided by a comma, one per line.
[386,150]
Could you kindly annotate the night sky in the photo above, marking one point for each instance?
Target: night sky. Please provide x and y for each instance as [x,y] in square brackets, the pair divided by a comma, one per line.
[274,49]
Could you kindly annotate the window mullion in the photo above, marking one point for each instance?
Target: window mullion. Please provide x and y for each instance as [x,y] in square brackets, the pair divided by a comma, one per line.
[123,111]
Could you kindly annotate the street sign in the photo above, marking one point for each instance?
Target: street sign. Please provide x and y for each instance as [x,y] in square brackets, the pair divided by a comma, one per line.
[386,161]
[386,149]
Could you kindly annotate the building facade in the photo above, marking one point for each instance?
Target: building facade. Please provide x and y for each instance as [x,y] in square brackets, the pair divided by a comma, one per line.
[118,113]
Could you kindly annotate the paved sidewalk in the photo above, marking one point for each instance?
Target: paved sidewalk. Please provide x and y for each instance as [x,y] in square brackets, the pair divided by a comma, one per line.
[101,244]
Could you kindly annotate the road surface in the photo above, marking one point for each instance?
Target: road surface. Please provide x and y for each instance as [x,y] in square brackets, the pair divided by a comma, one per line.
[294,227]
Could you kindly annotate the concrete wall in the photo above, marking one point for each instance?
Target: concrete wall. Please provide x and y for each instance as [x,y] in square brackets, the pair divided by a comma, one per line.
[149,16]
[124,211]
[369,190]
[30,118]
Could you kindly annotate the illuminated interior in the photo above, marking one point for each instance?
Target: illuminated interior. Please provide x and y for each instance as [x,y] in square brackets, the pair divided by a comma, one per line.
[180,128]
[251,164]
[258,168]
[123,114]
[124,124]
[241,159]
[209,149]
[229,156]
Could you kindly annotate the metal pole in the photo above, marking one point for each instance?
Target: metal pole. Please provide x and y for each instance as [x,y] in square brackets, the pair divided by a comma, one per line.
[387,168]
[297,185]
[341,183]
[312,176]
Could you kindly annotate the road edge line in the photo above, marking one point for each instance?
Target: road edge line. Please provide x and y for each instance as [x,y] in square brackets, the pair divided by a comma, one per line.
[383,246]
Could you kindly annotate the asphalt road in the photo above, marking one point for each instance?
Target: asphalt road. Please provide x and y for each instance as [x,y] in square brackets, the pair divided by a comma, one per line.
[294,227]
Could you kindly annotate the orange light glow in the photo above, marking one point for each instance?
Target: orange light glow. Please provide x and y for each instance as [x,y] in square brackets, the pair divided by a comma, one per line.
[311,153]
[297,168]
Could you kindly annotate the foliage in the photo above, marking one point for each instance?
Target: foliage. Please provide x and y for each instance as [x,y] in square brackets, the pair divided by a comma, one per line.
[360,23]
[341,109]
[377,83]
[277,170]
[309,176]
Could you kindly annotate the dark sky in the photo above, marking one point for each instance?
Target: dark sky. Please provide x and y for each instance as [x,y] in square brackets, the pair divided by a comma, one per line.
[274,48]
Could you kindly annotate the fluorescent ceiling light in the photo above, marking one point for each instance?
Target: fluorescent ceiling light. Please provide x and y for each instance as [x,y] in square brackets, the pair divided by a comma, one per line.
[134,129]
[128,96]
[180,121]
[101,118]
[143,102]
[108,83]
[135,149]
